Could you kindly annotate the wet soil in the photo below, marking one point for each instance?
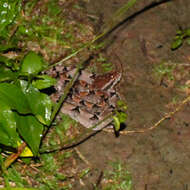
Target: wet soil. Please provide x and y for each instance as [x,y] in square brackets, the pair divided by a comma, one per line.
[157,159]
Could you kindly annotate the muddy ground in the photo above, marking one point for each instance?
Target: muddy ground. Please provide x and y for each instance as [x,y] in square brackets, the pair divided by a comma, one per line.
[157,159]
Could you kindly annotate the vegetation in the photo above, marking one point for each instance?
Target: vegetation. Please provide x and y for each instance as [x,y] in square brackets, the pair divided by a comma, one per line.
[33,39]
[117,178]
[30,40]
[181,36]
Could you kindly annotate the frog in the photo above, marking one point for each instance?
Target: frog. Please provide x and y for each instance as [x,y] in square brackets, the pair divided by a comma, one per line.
[92,96]
[103,82]
[99,89]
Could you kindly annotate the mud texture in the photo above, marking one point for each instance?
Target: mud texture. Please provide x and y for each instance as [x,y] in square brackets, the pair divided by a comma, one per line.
[157,159]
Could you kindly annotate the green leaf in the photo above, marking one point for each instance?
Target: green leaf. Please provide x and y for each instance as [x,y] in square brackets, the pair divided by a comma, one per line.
[179,32]
[122,116]
[188,41]
[5,47]
[8,62]
[8,134]
[31,131]
[177,43]
[122,105]
[40,103]
[84,173]
[13,96]
[7,74]
[53,8]
[32,64]
[119,118]
[116,123]
[8,11]
[187,32]
[26,152]
[43,81]
[23,30]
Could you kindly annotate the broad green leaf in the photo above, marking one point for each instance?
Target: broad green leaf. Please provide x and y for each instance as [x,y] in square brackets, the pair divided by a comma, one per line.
[26,152]
[9,9]
[177,43]
[32,64]
[43,81]
[31,131]
[7,75]
[13,96]
[40,103]
[8,134]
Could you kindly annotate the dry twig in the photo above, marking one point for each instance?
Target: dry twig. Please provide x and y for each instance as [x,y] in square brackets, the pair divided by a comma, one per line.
[167,116]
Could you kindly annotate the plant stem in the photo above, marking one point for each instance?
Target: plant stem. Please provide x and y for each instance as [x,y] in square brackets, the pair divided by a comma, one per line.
[73,141]
[65,94]
[57,107]
[108,27]
[13,156]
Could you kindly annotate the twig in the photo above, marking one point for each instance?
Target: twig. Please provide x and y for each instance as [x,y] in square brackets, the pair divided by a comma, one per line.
[98,182]
[168,115]
[69,56]
[73,142]
[13,156]
[65,94]
[62,99]
[110,26]
[83,158]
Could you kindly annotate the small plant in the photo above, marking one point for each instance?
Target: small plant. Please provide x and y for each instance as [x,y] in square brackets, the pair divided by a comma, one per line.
[165,69]
[120,116]
[118,178]
[26,113]
[180,37]
[9,11]
[16,177]
[24,110]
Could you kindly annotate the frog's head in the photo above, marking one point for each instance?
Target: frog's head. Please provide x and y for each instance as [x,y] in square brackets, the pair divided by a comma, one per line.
[106,81]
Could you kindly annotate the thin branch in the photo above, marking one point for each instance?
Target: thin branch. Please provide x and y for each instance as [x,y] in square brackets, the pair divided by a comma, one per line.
[110,26]
[167,116]
[78,140]
[13,156]
[65,94]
